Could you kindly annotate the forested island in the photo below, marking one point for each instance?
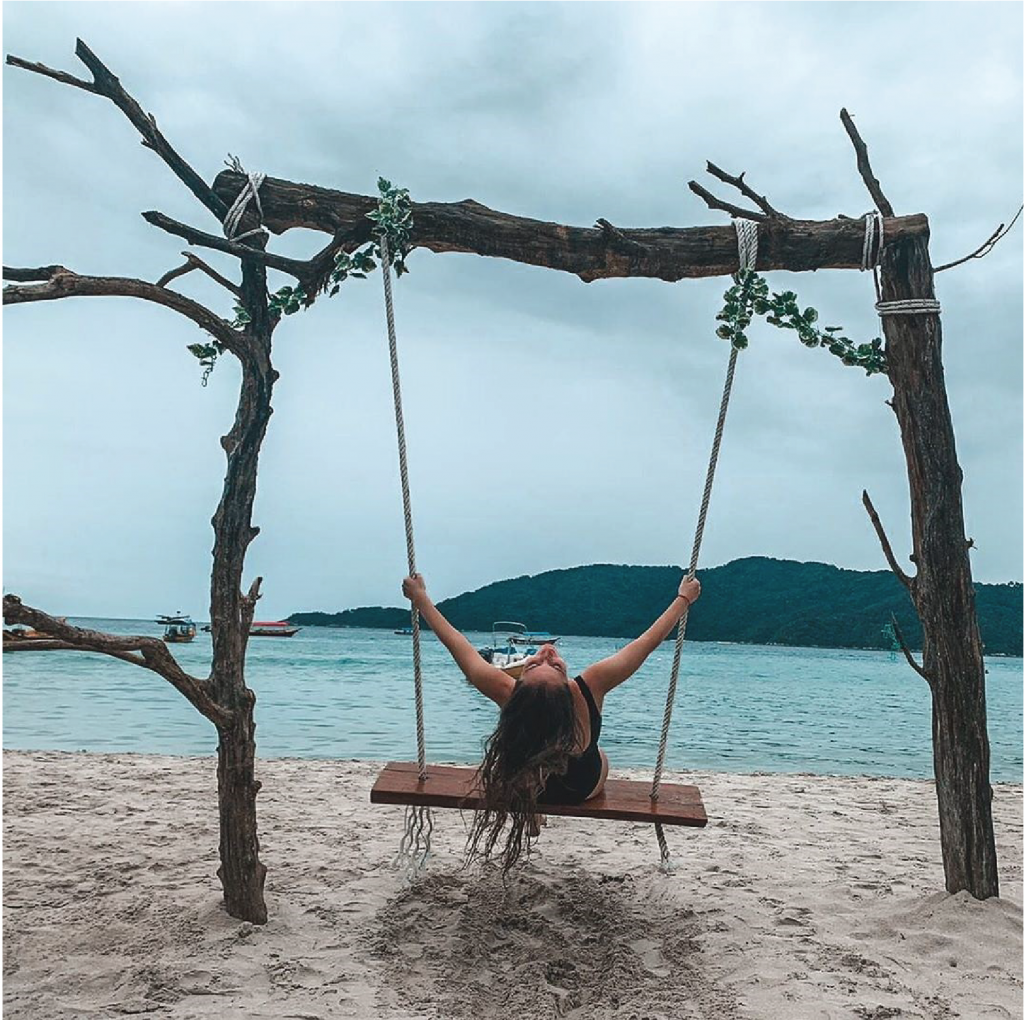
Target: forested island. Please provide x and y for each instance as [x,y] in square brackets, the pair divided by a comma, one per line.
[756,600]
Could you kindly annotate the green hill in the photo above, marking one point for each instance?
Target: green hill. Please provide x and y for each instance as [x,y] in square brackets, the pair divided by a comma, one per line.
[756,600]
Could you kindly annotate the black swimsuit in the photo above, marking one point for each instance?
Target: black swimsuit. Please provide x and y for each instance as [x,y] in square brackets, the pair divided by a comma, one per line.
[584,771]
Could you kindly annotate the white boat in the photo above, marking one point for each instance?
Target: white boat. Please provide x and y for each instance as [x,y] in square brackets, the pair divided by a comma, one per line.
[502,651]
[178,629]
[536,638]
[273,628]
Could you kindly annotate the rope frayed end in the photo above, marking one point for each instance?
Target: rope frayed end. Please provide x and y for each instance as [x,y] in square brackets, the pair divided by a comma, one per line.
[414,850]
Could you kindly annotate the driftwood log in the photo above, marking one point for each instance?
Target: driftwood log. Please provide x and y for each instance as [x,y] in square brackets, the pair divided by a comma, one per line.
[941,586]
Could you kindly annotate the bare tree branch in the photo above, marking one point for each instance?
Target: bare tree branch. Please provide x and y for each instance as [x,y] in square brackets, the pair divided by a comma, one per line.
[906,651]
[154,653]
[737,182]
[49,72]
[294,267]
[982,250]
[193,262]
[907,581]
[213,274]
[173,274]
[32,275]
[882,204]
[53,645]
[65,283]
[712,202]
[106,84]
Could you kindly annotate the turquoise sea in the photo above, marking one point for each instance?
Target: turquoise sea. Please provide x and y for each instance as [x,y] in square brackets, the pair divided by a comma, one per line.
[328,693]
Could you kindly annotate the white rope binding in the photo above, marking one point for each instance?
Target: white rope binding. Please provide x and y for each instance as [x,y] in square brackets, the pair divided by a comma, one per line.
[414,848]
[873,225]
[249,193]
[871,256]
[746,240]
[909,306]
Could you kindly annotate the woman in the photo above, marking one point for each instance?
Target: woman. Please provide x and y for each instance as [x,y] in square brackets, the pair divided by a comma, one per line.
[544,749]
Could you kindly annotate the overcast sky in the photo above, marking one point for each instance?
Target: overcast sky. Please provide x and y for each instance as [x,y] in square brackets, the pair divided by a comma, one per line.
[551,423]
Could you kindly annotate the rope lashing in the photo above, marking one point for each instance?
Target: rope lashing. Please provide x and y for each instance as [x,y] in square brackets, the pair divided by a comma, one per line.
[871,256]
[415,845]
[250,193]
[909,306]
[746,240]
[873,227]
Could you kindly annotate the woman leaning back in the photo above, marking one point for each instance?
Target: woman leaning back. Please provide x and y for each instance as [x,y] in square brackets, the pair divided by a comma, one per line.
[544,748]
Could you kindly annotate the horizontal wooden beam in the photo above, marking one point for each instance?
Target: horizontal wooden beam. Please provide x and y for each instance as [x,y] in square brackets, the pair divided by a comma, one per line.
[591,253]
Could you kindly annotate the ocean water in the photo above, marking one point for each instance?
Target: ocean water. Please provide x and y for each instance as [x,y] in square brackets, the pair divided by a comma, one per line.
[329,693]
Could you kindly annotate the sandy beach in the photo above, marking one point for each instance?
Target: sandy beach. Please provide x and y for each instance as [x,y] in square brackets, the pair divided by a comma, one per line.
[806,898]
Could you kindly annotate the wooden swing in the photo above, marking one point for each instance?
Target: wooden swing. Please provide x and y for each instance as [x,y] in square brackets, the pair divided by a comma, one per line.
[420,786]
[624,800]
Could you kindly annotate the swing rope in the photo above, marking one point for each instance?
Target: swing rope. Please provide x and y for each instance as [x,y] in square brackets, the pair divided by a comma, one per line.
[415,846]
[746,239]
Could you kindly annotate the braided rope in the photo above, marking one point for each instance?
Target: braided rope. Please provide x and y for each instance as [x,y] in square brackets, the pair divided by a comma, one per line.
[746,239]
[871,255]
[873,224]
[909,306]
[249,193]
[870,258]
[403,466]
[414,848]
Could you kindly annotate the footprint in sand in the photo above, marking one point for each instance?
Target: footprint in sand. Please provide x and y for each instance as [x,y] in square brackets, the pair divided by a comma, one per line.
[651,956]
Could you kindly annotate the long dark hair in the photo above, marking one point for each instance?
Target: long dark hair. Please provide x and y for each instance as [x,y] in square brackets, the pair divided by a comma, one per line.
[537,732]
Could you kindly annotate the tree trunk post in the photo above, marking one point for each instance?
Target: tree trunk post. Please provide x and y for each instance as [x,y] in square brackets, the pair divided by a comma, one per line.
[943,590]
[241,872]
[231,612]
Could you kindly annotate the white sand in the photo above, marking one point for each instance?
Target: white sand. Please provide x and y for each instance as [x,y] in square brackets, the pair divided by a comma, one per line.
[805,898]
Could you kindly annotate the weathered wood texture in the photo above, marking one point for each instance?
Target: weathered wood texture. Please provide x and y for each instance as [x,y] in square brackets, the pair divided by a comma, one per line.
[448,786]
[591,253]
[942,590]
[231,611]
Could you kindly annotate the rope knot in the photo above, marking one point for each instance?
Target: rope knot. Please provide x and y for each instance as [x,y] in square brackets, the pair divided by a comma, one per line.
[250,193]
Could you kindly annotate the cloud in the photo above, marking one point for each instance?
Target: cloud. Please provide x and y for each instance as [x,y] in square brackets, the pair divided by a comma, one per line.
[551,422]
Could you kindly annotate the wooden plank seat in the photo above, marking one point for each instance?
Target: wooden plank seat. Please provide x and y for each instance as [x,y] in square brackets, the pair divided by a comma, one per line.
[448,786]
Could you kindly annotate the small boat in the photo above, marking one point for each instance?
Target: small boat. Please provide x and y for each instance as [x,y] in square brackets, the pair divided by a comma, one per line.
[273,628]
[404,631]
[502,651]
[535,637]
[178,629]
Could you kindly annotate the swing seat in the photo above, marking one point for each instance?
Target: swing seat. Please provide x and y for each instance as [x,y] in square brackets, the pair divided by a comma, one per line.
[447,786]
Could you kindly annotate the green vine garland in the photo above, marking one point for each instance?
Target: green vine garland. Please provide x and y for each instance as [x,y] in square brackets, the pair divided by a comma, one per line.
[749,296]
[392,220]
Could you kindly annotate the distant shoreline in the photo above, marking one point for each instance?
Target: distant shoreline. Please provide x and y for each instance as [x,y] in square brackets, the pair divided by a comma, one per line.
[750,601]
[621,637]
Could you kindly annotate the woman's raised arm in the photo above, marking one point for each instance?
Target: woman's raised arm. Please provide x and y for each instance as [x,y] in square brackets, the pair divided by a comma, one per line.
[617,668]
[487,679]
